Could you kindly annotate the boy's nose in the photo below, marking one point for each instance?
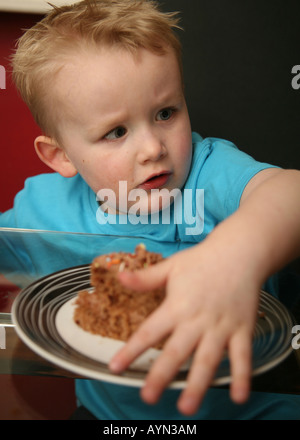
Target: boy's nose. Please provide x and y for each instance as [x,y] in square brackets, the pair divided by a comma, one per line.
[151,148]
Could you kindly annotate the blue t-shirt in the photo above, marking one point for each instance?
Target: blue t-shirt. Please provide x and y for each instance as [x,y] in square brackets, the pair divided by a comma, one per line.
[52,202]
[212,192]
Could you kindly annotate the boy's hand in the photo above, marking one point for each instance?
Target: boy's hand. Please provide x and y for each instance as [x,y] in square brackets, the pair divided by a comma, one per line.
[210,306]
[213,291]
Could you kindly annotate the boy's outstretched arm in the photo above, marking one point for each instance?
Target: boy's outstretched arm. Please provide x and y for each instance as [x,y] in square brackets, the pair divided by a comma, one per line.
[213,291]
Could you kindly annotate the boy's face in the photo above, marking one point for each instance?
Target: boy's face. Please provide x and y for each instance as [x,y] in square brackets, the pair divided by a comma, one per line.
[125,119]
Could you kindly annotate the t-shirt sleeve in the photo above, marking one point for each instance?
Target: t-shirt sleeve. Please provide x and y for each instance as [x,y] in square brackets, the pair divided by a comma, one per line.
[223,171]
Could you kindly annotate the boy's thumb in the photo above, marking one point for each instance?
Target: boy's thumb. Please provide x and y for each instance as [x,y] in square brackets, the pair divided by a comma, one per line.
[145,279]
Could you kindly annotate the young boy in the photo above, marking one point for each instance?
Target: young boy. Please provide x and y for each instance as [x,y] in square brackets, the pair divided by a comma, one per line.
[104,82]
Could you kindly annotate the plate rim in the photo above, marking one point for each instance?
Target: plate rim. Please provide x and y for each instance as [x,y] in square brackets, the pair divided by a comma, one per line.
[120,379]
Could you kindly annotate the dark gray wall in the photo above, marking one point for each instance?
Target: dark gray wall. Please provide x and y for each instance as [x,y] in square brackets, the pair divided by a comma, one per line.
[238,60]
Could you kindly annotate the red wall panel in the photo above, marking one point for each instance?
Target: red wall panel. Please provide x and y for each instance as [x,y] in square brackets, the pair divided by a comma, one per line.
[17,127]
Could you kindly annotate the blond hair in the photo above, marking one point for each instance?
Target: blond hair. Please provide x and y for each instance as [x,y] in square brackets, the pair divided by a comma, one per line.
[40,54]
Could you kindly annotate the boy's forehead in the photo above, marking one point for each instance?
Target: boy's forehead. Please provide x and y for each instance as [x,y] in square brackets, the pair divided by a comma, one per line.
[109,71]
[108,55]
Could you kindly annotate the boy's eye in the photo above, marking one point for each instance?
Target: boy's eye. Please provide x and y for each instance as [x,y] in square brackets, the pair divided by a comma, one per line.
[165,114]
[116,133]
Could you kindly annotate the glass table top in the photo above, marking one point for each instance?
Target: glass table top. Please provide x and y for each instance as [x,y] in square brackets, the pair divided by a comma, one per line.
[26,256]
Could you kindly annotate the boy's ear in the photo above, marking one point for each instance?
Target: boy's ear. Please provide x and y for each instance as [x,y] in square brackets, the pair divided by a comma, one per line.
[54,156]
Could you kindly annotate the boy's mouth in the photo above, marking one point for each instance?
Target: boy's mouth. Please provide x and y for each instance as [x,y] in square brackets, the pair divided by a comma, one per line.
[156,181]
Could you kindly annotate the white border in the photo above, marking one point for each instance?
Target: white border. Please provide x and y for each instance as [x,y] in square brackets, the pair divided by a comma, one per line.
[31,6]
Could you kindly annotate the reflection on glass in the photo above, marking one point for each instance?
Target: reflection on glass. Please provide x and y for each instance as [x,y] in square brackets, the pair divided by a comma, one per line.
[26,255]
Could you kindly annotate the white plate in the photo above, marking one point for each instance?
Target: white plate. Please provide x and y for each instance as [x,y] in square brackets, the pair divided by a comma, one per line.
[96,347]
[42,314]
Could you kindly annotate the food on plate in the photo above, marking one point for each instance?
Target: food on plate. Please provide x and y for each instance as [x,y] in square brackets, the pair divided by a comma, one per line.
[110,309]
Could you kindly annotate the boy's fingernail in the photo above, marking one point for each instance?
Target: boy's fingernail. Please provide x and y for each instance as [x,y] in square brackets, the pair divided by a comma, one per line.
[188,404]
[115,366]
[240,395]
[149,395]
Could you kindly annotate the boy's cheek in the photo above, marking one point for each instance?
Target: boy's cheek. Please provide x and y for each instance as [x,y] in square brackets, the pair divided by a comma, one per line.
[185,155]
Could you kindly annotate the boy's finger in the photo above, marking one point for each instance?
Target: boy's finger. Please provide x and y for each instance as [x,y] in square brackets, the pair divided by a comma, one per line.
[152,331]
[150,278]
[205,362]
[240,351]
[176,353]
